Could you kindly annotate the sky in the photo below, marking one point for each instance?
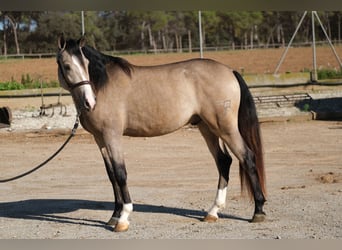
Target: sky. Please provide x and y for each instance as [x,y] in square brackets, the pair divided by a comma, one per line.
[33,25]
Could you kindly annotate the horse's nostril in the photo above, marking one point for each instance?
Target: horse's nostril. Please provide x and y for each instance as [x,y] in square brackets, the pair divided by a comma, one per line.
[87,105]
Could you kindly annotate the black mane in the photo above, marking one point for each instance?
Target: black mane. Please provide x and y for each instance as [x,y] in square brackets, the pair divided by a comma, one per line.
[97,63]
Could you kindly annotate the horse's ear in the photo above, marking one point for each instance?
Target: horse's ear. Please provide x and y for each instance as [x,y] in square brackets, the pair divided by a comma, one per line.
[82,41]
[61,42]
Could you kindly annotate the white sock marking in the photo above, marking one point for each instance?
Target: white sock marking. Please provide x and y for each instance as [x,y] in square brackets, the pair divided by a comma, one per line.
[126,210]
[219,203]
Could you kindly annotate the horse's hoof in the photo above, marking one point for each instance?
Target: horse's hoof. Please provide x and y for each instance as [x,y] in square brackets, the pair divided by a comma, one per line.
[121,227]
[113,221]
[258,218]
[210,218]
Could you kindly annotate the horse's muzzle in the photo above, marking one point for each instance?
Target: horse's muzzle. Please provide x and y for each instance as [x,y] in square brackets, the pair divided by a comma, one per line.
[89,104]
[89,98]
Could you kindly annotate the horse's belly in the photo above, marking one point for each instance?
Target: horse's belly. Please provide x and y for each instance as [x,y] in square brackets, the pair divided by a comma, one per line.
[148,125]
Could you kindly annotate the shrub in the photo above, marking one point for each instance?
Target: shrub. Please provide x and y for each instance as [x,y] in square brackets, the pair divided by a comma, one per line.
[27,82]
[11,85]
[26,79]
[329,74]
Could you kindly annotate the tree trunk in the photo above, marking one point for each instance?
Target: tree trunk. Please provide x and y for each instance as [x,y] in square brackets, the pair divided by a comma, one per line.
[256,35]
[150,35]
[164,42]
[233,37]
[328,26]
[14,27]
[189,41]
[339,28]
[177,42]
[282,37]
[142,35]
[151,38]
[204,42]
[278,33]
[180,44]
[245,40]
[4,37]
[273,42]
[154,44]
[326,23]
[269,38]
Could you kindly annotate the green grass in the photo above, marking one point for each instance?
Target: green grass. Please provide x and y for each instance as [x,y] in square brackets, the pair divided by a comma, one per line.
[329,74]
[26,83]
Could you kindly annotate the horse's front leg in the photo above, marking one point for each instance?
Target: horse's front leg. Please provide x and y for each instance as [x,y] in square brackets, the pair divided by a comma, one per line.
[117,174]
[117,194]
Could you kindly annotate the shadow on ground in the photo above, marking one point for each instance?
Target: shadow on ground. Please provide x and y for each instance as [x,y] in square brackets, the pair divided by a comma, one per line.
[56,210]
[323,109]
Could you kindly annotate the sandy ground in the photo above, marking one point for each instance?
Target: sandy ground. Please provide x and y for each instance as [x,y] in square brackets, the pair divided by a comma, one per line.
[172,180]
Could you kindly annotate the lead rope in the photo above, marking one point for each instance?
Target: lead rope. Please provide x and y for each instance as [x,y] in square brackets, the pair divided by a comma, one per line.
[73,132]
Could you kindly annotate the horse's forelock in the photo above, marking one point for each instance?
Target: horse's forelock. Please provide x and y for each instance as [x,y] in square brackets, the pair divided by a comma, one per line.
[71,45]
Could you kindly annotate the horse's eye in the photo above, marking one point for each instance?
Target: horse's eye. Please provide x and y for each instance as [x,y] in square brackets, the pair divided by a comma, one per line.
[67,67]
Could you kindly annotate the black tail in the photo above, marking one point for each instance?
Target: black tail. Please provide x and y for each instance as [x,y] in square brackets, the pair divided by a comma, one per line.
[250,131]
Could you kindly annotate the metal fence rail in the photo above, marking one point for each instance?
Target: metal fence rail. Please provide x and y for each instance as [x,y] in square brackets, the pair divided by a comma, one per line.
[281,100]
[28,56]
[222,47]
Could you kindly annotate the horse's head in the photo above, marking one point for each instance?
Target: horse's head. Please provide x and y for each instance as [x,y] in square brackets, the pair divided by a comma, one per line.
[73,72]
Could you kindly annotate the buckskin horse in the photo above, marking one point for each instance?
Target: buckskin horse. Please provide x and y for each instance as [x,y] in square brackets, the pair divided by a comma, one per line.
[115,98]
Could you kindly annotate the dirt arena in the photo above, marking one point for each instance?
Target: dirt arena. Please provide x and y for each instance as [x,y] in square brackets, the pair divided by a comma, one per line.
[172,181]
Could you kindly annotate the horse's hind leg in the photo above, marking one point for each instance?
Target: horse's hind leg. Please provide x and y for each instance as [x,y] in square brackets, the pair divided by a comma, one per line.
[246,158]
[223,162]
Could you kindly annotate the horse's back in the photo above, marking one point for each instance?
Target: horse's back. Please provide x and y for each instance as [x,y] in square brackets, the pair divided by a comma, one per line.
[184,83]
[196,74]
